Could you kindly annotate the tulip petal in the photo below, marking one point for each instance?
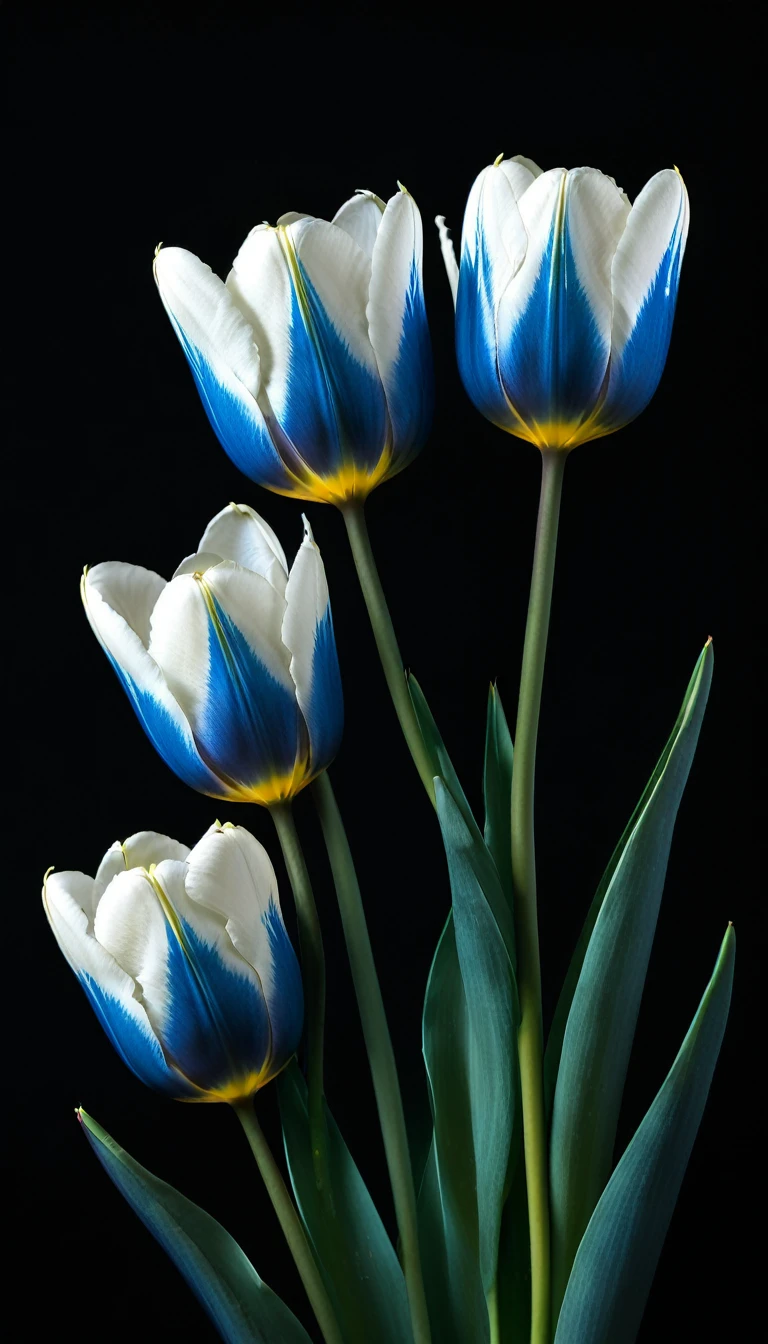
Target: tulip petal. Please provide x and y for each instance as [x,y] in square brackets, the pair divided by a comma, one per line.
[554,316]
[216,637]
[109,594]
[493,246]
[239,533]
[361,217]
[399,333]
[645,277]
[304,289]
[225,362]
[68,899]
[449,255]
[308,634]
[138,851]
[204,1002]
[230,872]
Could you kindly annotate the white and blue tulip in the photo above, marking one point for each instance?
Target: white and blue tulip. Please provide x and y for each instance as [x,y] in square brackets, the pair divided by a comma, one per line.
[565,296]
[231,667]
[186,961]
[313,361]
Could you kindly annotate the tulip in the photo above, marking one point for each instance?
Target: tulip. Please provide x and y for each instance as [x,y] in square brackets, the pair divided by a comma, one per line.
[185,958]
[231,667]
[313,360]
[565,297]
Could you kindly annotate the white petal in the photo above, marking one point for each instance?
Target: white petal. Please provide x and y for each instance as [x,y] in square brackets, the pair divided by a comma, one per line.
[230,873]
[68,898]
[659,215]
[138,851]
[493,225]
[238,533]
[131,926]
[519,173]
[260,283]
[130,591]
[397,260]
[340,272]
[596,219]
[360,217]
[533,168]
[537,211]
[306,605]
[449,255]
[206,316]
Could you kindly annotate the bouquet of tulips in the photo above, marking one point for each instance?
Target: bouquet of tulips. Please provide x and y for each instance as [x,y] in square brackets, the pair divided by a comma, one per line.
[313,364]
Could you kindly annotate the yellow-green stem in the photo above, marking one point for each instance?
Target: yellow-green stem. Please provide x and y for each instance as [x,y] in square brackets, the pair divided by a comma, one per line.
[289,1222]
[386,640]
[378,1044]
[313,975]
[530,1036]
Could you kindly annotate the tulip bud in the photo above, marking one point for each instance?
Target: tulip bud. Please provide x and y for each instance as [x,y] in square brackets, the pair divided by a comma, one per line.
[186,960]
[313,361]
[231,667]
[566,296]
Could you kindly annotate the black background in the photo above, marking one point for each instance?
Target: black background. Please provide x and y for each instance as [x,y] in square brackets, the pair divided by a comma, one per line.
[137,126]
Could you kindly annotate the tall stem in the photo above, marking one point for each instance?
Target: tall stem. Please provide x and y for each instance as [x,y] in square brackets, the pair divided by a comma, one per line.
[379,1046]
[313,970]
[386,640]
[530,1036]
[289,1222]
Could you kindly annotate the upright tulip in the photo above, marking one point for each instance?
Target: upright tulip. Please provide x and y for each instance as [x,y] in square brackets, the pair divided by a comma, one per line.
[565,297]
[313,360]
[231,667]
[185,959]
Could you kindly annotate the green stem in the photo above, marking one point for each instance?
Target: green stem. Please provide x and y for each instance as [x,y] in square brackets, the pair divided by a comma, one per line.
[530,1036]
[289,1222]
[386,640]
[313,972]
[492,1303]
[379,1046]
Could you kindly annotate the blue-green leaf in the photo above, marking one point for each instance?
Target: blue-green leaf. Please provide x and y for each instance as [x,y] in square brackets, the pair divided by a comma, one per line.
[609,974]
[241,1306]
[617,1258]
[439,758]
[350,1244]
[470,1023]
[497,791]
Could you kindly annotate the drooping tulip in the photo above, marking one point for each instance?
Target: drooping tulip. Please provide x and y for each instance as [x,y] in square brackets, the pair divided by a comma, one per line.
[186,961]
[231,667]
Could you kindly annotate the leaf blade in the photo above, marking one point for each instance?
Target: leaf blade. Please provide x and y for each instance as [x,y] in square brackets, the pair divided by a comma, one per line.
[352,1249]
[603,1011]
[242,1307]
[616,1260]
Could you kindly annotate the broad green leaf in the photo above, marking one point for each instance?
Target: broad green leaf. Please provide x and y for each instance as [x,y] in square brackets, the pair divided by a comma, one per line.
[617,1258]
[497,790]
[441,761]
[241,1306]
[470,1047]
[602,1013]
[352,1249]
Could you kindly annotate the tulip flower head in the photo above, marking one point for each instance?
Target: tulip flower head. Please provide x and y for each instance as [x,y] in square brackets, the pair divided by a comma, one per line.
[565,297]
[313,361]
[185,958]
[231,667]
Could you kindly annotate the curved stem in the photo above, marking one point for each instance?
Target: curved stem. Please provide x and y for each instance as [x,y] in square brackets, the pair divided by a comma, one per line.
[379,1047]
[530,1037]
[313,969]
[386,640]
[289,1222]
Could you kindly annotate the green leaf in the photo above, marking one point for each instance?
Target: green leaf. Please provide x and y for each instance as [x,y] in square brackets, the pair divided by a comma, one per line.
[602,995]
[470,1045]
[497,790]
[617,1258]
[241,1306]
[353,1252]
[439,758]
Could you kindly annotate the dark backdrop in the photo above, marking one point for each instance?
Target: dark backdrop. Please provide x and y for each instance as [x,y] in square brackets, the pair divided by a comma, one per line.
[132,128]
